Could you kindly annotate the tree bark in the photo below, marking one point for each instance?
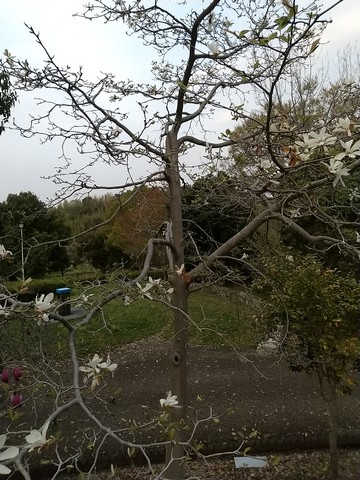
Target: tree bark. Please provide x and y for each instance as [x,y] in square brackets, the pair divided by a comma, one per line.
[328,392]
[174,462]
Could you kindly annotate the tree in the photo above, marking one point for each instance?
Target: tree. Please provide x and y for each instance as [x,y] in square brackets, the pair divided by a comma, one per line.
[214,210]
[7,99]
[141,218]
[82,216]
[316,312]
[307,106]
[38,226]
[209,57]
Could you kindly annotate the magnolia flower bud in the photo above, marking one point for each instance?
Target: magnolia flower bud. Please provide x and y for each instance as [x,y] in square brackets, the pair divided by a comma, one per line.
[17,373]
[16,399]
[4,375]
[213,48]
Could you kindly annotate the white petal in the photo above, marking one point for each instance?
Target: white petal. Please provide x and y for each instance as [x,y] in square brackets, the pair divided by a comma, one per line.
[86,369]
[4,470]
[94,383]
[10,452]
[34,436]
[213,48]
[45,429]
[49,297]
[2,440]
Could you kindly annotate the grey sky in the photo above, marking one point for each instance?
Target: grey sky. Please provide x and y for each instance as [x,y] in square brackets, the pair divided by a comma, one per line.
[98,47]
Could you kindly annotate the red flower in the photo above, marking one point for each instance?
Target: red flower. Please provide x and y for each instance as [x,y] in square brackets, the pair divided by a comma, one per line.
[16,399]
[4,375]
[17,373]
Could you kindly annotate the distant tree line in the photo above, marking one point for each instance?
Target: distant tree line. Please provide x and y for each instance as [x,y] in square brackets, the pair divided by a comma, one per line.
[26,225]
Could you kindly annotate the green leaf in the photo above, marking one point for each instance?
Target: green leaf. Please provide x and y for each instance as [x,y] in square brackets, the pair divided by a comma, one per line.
[171,433]
[282,22]
[242,33]
[276,460]
[314,46]
[272,36]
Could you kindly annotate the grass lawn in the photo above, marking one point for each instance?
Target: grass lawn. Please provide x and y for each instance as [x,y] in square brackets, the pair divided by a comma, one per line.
[216,319]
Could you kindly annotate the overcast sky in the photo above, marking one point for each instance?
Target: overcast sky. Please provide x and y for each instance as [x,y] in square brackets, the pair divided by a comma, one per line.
[75,41]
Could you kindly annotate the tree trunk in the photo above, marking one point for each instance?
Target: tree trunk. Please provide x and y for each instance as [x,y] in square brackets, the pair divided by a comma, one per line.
[333,433]
[174,469]
[175,452]
[328,392]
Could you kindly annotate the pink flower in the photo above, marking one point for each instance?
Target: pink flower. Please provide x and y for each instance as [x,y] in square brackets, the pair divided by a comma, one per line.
[16,399]
[17,373]
[4,375]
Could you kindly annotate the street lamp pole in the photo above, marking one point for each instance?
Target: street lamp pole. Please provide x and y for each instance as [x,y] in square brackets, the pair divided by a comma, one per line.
[21,225]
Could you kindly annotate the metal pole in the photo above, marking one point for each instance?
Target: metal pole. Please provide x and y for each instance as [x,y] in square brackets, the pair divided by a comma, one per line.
[21,225]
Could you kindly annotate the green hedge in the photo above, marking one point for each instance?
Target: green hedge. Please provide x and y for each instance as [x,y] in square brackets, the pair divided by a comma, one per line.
[50,284]
[38,287]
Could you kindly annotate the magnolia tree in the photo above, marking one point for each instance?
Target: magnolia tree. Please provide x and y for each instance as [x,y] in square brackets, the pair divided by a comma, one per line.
[214,59]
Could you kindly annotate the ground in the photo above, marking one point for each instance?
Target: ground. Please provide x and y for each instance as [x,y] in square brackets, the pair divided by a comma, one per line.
[304,465]
[246,391]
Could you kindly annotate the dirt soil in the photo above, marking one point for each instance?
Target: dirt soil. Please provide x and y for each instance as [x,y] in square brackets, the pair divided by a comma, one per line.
[304,465]
[247,393]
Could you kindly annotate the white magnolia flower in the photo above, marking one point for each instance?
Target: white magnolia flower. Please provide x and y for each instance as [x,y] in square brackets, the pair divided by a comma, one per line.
[168,294]
[169,401]
[4,312]
[85,298]
[179,270]
[44,318]
[343,125]
[43,303]
[93,364]
[350,150]
[37,438]
[244,256]
[93,370]
[127,300]
[4,253]
[322,139]
[289,258]
[306,143]
[110,367]
[265,163]
[150,284]
[10,452]
[295,212]
[285,3]
[337,168]
[357,237]
[213,48]
[92,375]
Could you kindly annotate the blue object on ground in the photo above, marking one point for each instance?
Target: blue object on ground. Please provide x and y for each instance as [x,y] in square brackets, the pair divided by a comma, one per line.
[64,294]
[62,291]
